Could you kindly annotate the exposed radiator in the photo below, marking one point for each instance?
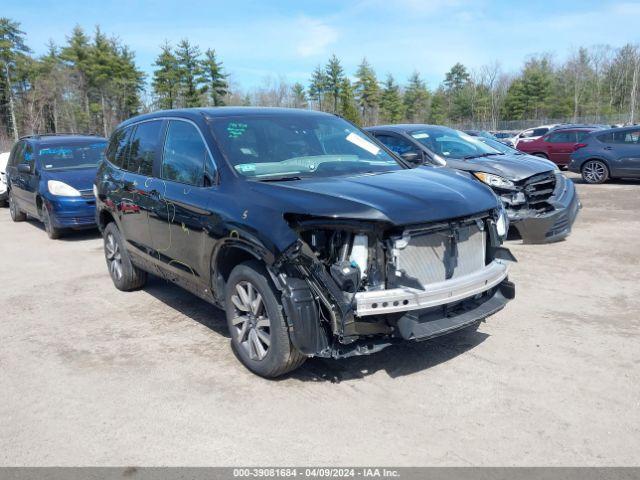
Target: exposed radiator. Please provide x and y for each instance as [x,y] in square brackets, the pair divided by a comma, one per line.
[437,256]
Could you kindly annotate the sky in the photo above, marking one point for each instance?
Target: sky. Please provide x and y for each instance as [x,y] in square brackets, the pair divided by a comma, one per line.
[258,40]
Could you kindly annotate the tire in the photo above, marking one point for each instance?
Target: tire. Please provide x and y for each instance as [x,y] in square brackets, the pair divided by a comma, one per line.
[541,155]
[17,215]
[259,334]
[53,232]
[594,172]
[124,274]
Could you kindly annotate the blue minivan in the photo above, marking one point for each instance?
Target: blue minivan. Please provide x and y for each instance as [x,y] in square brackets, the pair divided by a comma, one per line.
[50,177]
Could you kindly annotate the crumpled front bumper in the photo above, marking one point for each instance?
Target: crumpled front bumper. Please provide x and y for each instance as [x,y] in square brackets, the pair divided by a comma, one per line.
[554,225]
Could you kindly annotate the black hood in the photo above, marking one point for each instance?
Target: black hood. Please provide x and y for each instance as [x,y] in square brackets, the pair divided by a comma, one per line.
[512,167]
[401,197]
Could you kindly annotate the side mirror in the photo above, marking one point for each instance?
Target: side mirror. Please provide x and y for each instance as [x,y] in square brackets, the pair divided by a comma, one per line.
[438,160]
[24,168]
[412,157]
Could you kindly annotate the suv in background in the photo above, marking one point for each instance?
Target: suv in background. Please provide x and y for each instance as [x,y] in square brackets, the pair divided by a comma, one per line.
[557,145]
[4,193]
[50,178]
[315,239]
[530,134]
[608,154]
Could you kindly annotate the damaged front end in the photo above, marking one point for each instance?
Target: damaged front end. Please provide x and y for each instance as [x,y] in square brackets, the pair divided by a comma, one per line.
[541,208]
[354,287]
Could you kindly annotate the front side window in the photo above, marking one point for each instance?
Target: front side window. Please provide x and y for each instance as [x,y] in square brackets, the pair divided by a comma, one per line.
[580,136]
[538,132]
[71,156]
[118,145]
[143,147]
[632,137]
[271,147]
[449,143]
[185,158]
[397,144]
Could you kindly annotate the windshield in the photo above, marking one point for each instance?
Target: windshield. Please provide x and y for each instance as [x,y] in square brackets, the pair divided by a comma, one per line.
[449,143]
[273,147]
[69,157]
[501,147]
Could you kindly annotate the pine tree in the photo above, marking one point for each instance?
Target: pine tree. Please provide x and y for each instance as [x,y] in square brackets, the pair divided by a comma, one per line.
[416,99]
[12,49]
[391,107]
[334,75]
[166,78]
[190,74]
[215,77]
[318,87]
[299,96]
[347,103]
[367,92]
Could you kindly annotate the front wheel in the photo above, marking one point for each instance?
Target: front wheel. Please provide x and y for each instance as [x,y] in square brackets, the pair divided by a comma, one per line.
[258,329]
[52,232]
[595,171]
[124,274]
[16,214]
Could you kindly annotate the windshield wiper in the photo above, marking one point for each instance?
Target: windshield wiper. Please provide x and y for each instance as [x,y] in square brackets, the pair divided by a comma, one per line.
[279,179]
[467,157]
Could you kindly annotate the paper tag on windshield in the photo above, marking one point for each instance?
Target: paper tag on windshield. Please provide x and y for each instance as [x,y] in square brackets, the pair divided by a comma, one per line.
[363,143]
[420,135]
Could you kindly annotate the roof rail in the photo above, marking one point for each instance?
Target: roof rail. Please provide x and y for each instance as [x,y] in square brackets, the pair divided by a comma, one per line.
[56,134]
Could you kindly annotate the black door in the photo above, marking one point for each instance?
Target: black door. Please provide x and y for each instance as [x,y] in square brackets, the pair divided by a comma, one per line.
[136,184]
[181,215]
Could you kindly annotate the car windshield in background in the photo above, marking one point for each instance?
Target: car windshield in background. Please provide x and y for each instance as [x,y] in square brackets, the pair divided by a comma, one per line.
[69,157]
[501,147]
[449,143]
[283,147]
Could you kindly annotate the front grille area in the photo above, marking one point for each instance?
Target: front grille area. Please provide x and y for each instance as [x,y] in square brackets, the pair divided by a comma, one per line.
[437,256]
[538,189]
[87,193]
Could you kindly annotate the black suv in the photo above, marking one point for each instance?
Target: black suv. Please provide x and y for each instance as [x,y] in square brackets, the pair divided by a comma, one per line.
[314,238]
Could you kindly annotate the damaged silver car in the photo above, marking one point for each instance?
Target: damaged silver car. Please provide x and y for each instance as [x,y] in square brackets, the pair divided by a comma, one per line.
[315,239]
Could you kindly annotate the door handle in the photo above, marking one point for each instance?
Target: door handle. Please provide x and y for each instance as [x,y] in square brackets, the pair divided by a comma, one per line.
[608,148]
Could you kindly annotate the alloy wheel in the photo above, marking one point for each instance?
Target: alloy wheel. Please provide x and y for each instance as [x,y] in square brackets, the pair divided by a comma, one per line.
[252,328]
[114,257]
[594,172]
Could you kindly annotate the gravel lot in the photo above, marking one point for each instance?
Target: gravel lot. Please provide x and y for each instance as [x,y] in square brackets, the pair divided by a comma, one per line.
[93,376]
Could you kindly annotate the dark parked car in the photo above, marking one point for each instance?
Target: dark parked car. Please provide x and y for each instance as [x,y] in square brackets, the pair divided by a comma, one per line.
[50,178]
[315,239]
[608,154]
[541,203]
[557,145]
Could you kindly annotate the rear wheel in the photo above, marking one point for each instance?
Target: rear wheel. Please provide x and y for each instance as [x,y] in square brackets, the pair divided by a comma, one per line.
[17,215]
[125,275]
[52,231]
[258,329]
[595,171]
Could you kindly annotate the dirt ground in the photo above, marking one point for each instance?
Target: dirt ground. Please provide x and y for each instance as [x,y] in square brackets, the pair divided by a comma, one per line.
[93,376]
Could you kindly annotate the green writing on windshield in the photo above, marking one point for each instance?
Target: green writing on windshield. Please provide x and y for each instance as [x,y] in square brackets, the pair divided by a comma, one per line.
[236,129]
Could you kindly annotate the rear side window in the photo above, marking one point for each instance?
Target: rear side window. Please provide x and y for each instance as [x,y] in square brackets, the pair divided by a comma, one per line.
[143,147]
[629,137]
[185,154]
[582,135]
[562,137]
[116,151]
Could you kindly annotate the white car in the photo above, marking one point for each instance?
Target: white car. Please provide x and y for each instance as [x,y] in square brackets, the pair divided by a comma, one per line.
[4,158]
[531,134]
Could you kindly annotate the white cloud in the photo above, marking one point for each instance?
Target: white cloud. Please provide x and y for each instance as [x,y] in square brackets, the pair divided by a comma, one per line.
[316,37]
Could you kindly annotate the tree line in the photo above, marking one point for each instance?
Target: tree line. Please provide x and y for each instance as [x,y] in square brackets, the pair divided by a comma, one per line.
[91,83]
